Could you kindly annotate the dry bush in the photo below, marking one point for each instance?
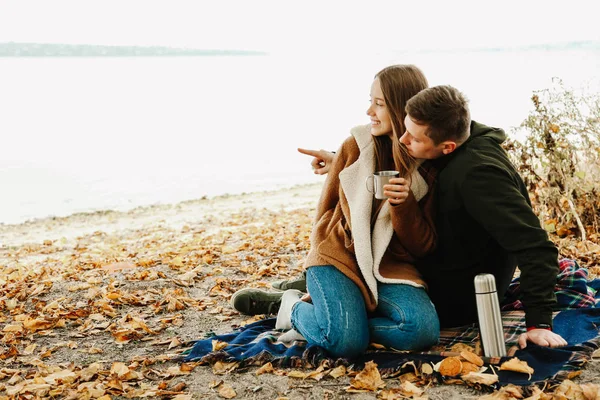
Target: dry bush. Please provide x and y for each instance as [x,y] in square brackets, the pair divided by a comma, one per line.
[559,159]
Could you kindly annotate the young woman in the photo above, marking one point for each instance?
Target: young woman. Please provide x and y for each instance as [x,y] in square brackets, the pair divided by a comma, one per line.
[360,269]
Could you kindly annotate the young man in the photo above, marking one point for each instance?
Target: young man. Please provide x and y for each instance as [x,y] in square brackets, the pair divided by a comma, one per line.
[484,221]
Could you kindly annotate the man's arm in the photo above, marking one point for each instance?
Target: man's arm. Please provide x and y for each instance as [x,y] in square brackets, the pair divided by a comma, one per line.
[492,197]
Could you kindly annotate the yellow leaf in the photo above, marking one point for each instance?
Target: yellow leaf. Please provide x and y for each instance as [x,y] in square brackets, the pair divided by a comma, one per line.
[174,343]
[118,266]
[88,373]
[13,328]
[591,391]
[297,374]
[29,349]
[513,390]
[217,345]
[338,371]
[228,250]
[95,350]
[220,368]
[570,390]
[189,366]
[574,374]
[537,394]
[408,377]
[251,320]
[316,375]
[62,376]
[177,262]
[450,366]
[516,365]
[426,369]
[11,304]
[123,336]
[458,347]
[368,379]
[226,391]
[176,371]
[472,357]
[410,389]
[34,325]
[265,369]
[215,383]
[119,368]
[477,377]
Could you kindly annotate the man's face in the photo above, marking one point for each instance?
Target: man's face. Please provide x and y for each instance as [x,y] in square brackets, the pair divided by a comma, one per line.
[419,145]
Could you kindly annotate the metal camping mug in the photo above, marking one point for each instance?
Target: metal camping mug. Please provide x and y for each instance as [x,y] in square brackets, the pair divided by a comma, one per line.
[379,179]
[490,319]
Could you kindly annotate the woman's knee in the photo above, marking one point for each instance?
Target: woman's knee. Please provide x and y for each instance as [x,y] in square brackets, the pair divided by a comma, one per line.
[347,344]
[430,333]
[408,320]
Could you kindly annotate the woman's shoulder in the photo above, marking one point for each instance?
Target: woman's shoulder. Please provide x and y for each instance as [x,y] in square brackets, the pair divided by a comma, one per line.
[353,142]
[362,135]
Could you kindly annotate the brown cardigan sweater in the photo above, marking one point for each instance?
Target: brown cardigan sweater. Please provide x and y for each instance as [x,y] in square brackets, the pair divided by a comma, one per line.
[342,234]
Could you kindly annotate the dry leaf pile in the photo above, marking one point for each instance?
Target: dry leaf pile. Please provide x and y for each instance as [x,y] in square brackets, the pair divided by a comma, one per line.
[102,315]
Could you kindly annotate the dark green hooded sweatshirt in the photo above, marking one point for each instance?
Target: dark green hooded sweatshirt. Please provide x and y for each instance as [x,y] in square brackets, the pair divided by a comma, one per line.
[485,224]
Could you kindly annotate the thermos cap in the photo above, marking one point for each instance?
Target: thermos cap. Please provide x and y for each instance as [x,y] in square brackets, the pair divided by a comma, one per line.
[485,283]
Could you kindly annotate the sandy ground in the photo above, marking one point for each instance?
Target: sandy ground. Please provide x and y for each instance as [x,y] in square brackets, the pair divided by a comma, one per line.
[131,287]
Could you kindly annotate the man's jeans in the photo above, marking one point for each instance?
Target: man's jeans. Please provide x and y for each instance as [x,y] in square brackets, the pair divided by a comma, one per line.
[337,319]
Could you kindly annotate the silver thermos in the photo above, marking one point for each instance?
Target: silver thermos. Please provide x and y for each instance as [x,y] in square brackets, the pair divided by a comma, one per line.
[490,319]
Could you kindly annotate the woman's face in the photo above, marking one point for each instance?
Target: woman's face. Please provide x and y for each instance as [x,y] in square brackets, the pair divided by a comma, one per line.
[381,122]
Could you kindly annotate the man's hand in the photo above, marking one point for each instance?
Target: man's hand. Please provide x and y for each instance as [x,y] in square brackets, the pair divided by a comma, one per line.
[322,160]
[541,337]
[397,190]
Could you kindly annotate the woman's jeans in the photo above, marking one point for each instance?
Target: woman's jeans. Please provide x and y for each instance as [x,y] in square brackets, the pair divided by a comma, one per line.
[337,319]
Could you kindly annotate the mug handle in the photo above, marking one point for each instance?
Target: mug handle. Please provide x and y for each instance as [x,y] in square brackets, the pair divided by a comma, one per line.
[372,189]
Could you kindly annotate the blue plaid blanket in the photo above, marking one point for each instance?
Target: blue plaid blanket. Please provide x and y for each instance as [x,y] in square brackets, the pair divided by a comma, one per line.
[572,289]
[257,343]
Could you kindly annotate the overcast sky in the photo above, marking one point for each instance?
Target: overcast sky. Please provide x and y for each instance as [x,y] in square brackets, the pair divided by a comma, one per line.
[274,25]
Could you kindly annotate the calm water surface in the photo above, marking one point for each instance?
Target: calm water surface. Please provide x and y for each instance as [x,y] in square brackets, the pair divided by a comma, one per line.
[82,134]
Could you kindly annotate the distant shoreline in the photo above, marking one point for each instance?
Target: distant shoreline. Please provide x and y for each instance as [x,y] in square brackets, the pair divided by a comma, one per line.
[173,214]
[17,49]
[12,49]
[158,206]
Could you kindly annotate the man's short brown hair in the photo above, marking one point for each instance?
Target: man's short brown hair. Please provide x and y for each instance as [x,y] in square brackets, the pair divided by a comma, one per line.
[444,109]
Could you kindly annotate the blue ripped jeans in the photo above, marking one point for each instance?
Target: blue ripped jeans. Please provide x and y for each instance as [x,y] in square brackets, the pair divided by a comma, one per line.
[337,319]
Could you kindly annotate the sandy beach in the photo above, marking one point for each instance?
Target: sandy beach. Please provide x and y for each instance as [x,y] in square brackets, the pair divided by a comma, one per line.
[95,305]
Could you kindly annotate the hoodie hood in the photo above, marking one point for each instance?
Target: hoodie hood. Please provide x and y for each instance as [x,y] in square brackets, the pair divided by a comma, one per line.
[479,130]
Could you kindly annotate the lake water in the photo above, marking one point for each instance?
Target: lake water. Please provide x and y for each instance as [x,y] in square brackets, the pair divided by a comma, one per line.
[83,134]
